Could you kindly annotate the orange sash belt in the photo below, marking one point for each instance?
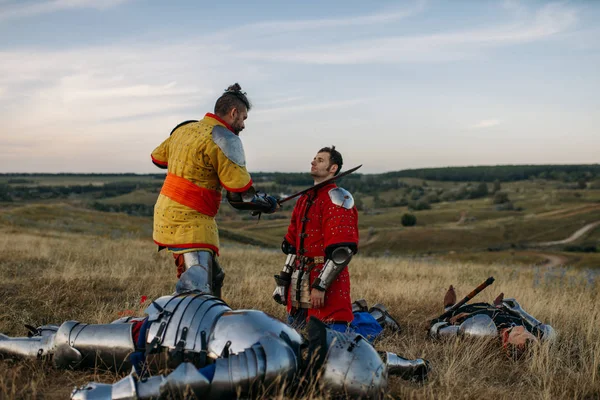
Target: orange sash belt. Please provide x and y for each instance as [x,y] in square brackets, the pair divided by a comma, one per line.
[205,201]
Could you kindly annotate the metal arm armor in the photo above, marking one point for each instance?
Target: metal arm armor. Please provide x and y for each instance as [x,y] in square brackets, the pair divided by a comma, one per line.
[252,200]
[340,257]
[284,278]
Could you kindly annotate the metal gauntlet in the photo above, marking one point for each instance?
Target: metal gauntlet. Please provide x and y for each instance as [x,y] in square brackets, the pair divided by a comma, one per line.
[547,332]
[340,257]
[252,200]
[283,280]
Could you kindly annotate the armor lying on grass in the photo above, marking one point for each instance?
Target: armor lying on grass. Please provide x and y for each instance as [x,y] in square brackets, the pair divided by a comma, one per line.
[215,353]
[504,319]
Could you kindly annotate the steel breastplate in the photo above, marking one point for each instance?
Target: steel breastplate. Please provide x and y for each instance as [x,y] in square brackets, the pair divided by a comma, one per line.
[180,325]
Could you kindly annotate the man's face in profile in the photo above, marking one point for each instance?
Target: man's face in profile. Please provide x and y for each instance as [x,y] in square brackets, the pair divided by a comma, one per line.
[239,116]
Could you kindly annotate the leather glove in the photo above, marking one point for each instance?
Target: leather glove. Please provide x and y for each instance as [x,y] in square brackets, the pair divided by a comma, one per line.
[268,203]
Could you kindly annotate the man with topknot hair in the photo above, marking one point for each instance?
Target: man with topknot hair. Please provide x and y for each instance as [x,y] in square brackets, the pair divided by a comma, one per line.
[201,158]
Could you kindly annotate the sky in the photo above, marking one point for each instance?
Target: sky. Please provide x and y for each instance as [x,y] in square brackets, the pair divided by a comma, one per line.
[96,85]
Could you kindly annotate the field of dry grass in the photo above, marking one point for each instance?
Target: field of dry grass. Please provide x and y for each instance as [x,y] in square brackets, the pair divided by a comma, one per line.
[50,277]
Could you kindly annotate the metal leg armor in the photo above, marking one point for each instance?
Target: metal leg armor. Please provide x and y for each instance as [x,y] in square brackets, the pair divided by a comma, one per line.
[268,364]
[360,306]
[476,326]
[414,370]
[127,388]
[381,314]
[443,330]
[199,273]
[218,278]
[25,347]
[76,345]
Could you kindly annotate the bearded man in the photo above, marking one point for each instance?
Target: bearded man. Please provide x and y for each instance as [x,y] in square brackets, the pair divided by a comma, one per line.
[202,157]
[320,242]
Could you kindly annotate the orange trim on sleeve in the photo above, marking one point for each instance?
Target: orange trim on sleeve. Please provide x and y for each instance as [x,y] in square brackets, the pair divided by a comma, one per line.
[191,246]
[205,201]
[157,161]
[238,190]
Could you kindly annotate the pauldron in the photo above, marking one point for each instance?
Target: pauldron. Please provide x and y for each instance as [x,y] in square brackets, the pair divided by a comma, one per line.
[230,144]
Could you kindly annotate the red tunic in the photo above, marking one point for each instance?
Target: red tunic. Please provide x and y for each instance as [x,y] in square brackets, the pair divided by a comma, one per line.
[316,224]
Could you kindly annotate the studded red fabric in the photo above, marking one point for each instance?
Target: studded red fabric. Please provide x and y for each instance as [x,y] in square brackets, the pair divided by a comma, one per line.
[316,224]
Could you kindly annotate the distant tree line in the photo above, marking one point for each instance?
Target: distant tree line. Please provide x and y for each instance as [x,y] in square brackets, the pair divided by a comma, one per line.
[140,210]
[41,192]
[504,173]
[72,174]
[385,190]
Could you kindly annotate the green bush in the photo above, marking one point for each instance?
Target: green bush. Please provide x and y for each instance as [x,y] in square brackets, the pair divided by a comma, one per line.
[408,220]
[501,198]
[418,205]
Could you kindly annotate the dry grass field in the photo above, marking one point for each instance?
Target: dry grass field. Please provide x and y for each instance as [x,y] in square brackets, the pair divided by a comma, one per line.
[52,276]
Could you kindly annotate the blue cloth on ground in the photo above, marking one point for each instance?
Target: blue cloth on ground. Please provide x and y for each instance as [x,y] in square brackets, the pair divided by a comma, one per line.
[138,357]
[208,371]
[363,323]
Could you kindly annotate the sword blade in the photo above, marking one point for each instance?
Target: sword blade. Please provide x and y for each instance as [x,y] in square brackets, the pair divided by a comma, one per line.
[319,185]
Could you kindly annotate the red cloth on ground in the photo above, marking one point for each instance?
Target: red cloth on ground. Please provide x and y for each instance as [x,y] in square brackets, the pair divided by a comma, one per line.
[135,329]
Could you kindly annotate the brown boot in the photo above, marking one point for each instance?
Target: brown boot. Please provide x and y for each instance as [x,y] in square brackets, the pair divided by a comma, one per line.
[499,299]
[450,297]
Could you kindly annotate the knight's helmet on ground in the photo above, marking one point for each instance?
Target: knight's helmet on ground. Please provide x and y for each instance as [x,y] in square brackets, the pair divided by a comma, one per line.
[345,363]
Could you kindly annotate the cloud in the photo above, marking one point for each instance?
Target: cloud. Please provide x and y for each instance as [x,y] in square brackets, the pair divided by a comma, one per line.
[546,22]
[486,123]
[20,9]
[276,113]
[381,17]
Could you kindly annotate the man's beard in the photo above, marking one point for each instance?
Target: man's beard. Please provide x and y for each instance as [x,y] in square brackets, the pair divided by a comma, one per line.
[236,129]
[316,174]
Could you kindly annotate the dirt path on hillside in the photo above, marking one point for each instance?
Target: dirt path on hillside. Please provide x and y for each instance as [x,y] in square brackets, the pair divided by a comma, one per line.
[549,260]
[578,233]
[569,212]
[553,260]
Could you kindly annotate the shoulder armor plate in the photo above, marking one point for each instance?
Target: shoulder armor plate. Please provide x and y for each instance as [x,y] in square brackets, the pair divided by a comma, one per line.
[341,197]
[230,144]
